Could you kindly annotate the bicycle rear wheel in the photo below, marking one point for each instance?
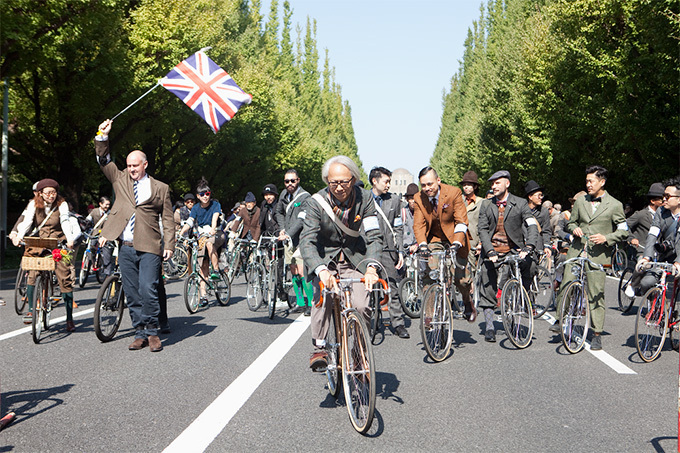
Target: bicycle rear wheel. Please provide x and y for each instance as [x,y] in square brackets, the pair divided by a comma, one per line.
[270,289]
[436,324]
[358,369]
[85,266]
[574,318]
[39,305]
[223,289]
[333,369]
[20,299]
[192,293]
[625,302]
[408,296]
[255,278]
[178,265]
[619,262]
[518,320]
[108,308]
[651,324]
[541,291]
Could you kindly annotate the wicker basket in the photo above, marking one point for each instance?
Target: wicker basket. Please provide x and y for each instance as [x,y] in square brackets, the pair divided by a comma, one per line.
[32,263]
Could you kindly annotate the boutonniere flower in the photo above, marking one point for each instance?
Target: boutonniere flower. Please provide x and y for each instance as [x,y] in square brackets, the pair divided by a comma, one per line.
[357,218]
[295,205]
[445,206]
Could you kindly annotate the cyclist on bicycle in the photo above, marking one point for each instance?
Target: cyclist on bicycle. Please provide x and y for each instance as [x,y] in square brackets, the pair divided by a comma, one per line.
[248,219]
[331,243]
[47,217]
[388,208]
[505,225]
[97,218]
[660,242]
[598,217]
[290,215]
[205,217]
[440,219]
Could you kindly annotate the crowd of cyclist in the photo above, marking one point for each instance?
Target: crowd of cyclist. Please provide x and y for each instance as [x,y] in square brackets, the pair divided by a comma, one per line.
[345,229]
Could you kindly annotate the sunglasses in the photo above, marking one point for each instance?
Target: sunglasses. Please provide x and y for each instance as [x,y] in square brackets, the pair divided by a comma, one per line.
[289,181]
[204,194]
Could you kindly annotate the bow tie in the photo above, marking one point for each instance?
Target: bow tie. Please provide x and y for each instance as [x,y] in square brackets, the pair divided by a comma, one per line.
[502,203]
[596,199]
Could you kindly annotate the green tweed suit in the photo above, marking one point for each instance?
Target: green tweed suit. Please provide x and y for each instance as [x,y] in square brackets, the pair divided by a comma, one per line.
[609,220]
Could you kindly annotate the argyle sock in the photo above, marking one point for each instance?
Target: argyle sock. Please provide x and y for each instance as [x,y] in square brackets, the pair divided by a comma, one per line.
[68,302]
[488,317]
[30,292]
[297,286]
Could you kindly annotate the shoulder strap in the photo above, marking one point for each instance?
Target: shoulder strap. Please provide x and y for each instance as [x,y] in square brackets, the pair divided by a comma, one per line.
[289,205]
[387,222]
[47,217]
[329,212]
[100,221]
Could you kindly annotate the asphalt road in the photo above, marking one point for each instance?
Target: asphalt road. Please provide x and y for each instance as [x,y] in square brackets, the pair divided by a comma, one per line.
[74,393]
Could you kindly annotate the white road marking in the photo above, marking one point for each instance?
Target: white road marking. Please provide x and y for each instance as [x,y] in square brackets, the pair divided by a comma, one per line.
[53,321]
[601,355]
[207,426]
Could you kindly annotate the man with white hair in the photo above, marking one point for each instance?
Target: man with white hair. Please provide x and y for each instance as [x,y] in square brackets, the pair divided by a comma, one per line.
[331,244]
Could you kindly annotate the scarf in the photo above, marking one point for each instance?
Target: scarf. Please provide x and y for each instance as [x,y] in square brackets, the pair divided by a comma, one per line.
[342,211]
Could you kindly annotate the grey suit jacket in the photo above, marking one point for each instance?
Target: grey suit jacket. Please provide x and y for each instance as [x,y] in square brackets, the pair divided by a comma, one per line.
[543,218]
[639,224]
[519,223]
[663,228]
[608,220]
[290,218]
[391,207]
[147,235]
[321,240]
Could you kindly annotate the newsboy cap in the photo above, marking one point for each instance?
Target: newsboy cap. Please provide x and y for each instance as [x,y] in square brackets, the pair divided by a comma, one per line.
[500,174]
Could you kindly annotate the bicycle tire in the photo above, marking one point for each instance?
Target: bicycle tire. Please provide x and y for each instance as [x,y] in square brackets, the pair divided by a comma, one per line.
[192,293]
[619,262]
[408,296]
[178,265]
[477,285]
[270,289]
[651,325]
[436,324]
[625,302]
[108,308]
[85,266]
[574,317]
[20,299]
[542,292]
[376,317]
[99,273]
[255,280]
[358,372]
[223,290]
[39,303]
[518,319]
[333,374]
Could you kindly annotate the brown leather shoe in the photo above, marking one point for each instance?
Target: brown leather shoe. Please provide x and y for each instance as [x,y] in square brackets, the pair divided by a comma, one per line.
[70,327]
[139,343]
[155,343]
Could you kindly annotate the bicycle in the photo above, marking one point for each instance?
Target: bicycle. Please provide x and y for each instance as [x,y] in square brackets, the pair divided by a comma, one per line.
[237,259]
[20,298]
[220,287]
[654,318]
[178,265]
[44,290]
[625,302]
[411,287]
[92,260]
[267,254]
[349,350]
[542,289]
[574,316]
[619,260]
[110,303]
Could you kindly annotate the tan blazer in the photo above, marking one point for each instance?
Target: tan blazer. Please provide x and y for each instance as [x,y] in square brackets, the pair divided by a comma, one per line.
[147,235]
[452,212]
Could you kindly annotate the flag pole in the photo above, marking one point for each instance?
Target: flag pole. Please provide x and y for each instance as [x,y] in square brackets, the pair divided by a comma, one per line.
[138,99]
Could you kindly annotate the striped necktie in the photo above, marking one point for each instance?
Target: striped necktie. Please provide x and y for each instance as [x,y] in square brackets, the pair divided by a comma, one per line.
[132,219]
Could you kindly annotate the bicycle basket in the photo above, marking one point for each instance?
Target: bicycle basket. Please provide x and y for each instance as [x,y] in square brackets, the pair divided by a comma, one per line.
[32,263]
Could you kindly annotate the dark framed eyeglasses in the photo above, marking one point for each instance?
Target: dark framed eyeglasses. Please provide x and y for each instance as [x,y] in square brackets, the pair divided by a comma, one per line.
[667,196]
[204,194]
[290,181]
[344,183]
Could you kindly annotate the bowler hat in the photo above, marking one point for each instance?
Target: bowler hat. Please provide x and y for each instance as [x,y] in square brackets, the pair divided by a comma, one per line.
[270,188]
[470,177]
[499,174]
[531,187]
[47,183]
[411,190]
[656,190]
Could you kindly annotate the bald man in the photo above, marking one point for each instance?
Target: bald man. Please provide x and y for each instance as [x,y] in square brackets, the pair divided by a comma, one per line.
[140,202]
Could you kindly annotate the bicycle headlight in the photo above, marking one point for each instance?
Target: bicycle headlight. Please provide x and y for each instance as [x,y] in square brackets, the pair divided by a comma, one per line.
[576,271]
[434,274]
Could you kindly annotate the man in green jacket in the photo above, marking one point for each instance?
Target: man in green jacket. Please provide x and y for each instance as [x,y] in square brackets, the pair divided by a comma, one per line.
[597,222]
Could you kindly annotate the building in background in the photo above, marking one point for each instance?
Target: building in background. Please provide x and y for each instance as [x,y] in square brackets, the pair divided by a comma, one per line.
[401,178]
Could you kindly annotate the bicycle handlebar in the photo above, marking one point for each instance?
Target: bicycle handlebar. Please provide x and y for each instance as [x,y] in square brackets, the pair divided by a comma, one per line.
[581,258]
[349,281]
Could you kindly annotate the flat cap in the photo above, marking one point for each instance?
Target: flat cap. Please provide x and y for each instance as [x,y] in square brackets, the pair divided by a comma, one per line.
[499,174]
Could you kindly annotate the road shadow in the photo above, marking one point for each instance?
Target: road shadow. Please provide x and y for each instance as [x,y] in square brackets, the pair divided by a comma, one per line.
[184,327]
[387,385]
[462,338]
[278,320]
[669,442]
[27,404]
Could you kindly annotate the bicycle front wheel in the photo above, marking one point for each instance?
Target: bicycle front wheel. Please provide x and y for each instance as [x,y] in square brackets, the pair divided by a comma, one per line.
[85,267]
[625,302]
[575,317]
[39,305]
[376,317]
[542,293]
[20,299]
[270,289]
[255,278]
[99,273]
[619,262]
[192,293]
[223,289]
[108,308]
[408,296]
[436,324]
[651,325]
[358,369]
[332,348]
[518,320]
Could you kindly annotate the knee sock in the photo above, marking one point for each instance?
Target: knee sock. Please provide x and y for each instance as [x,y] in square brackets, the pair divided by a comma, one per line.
[297,286]
[309,291]
[488,317]
[68,302]
[30,292]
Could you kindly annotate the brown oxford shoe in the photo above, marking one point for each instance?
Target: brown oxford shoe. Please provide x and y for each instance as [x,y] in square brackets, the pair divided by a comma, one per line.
[70,326]
[139,343]
[155,343]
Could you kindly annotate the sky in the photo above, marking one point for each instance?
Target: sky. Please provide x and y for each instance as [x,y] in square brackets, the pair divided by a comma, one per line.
[393,60]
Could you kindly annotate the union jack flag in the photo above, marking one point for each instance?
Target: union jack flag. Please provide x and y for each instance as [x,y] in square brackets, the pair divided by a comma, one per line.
[207,89]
